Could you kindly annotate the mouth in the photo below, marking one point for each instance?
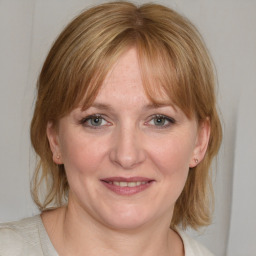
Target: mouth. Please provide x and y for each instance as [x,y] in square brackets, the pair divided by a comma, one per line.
[127,186]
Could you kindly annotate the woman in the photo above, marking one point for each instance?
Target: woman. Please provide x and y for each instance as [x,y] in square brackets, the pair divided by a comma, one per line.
[125,127]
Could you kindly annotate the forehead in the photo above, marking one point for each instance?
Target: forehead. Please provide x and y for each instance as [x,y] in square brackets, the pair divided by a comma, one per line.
[125,79]
[126,69]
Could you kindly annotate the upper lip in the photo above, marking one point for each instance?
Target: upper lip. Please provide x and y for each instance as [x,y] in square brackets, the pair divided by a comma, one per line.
[124,179]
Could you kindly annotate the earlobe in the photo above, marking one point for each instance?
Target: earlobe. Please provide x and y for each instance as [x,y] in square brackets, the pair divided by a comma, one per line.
[202,141]
[53,139]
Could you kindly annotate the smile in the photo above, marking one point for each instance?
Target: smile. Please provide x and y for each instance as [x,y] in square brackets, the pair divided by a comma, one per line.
[127,186]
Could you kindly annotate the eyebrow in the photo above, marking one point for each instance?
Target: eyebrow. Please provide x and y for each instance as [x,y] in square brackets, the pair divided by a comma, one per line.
[146,107]
[158,105]
[101,106]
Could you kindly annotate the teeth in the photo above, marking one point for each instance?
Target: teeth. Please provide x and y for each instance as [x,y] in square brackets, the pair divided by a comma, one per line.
[123,184]
[128,184]
[132,184]
[116,183]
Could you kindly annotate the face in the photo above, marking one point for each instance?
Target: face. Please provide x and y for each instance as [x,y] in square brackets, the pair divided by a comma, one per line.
[126,159]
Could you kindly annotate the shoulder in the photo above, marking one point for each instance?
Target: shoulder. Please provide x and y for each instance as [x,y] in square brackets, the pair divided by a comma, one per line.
[19,238]
[192,247]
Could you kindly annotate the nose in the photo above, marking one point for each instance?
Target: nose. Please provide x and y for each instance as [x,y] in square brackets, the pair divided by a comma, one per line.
[127,150]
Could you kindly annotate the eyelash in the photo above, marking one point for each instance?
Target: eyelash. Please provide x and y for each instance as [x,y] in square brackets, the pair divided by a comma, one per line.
[85,121]
[170,121]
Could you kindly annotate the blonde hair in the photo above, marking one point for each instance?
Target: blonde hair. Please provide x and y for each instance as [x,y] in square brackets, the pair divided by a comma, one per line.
[173,59]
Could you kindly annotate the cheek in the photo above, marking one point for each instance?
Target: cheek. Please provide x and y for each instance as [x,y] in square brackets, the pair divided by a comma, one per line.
[81,155]
[172,155]
[82,158]
[171,159]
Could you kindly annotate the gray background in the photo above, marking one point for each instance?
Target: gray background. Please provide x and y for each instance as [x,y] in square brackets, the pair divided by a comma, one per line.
[27,30]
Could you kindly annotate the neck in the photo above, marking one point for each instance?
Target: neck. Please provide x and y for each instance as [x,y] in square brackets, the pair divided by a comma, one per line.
[78,233]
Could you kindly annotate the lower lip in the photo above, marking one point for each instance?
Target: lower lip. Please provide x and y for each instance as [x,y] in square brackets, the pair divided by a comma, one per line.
[127,191]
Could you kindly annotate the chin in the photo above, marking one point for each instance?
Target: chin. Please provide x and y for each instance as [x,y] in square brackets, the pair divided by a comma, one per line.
[127,218]
[131,224]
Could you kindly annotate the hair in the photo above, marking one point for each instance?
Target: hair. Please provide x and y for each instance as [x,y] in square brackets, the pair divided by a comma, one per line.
[173,59]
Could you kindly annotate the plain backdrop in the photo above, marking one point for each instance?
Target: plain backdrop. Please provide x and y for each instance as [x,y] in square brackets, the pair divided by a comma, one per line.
[27,30]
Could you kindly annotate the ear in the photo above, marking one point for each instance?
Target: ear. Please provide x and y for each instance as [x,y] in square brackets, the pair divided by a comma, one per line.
[202,141]
[53,138]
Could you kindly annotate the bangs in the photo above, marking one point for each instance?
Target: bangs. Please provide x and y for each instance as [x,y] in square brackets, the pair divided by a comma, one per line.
[100,66]
[163,78]
[163,81]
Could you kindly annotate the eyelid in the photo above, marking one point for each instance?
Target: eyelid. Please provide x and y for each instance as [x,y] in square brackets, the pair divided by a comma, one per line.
[171,121]
[87,118]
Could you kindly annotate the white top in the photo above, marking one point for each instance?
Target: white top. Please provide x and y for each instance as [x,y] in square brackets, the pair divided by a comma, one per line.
[28,237]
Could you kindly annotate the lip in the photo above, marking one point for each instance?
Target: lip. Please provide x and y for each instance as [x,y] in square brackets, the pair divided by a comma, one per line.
[127,190]
[124,179]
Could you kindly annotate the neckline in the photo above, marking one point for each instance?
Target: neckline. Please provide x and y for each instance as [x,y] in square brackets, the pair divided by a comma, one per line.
[46,244]
[49,250]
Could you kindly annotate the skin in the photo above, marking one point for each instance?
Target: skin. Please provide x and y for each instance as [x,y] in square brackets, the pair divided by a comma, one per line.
[129,140]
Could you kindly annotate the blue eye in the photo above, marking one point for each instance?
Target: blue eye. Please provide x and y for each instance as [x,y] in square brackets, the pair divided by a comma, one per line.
[94,121]
[161,121]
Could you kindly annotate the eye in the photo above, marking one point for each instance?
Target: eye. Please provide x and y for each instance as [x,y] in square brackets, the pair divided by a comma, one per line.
[161,121]
[94,121]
